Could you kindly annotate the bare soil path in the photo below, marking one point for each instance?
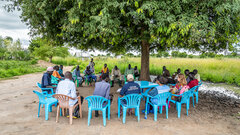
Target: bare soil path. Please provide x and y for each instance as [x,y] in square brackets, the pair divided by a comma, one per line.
[18,115]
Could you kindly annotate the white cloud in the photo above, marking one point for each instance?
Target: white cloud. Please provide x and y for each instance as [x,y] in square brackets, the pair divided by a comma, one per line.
[11,25]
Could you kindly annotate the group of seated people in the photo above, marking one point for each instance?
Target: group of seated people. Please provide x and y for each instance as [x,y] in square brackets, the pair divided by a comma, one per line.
[102,88]
[179,82]
[114,76]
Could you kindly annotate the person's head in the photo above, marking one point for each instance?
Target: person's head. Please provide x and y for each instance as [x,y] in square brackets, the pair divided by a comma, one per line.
[56,68]
[105,65]
[77,68]
[164,68]
[88,67]
[91,59]
[130,77]
[135,68]
[195,71]
[61,66]
[129,66]
[162,81]
[68,75]
[181,79]
[105,77]
[191,76]
[115,67]
[50,70]
[178,71]
[166,73]
[186,72]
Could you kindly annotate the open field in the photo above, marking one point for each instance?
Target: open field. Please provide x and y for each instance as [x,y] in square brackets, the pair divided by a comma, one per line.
[10,68]
[19,115]
[214,70]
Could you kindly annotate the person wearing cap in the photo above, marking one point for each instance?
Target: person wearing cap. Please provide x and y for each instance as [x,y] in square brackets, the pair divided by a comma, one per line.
[46,79]
[131,87]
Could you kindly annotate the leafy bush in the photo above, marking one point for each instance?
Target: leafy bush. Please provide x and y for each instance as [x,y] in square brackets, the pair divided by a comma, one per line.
[10,68]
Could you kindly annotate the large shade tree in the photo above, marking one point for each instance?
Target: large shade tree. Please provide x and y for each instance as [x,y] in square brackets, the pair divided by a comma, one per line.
[125,25]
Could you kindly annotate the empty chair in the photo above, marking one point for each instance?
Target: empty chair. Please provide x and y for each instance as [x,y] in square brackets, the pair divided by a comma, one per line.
[159,100]
[128,102]
[64,104]
[98,103]
[184,99]
[48,92]
[47,102]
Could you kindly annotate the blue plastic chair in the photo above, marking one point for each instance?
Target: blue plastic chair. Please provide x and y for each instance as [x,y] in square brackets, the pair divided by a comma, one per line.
[47,102]
[127,102]
[171,84]
[193,90]
[185,99]
[98,103]
[46,90]
[160,100]
[196,92]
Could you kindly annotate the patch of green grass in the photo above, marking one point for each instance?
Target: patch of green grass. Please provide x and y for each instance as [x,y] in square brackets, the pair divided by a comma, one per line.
[215,70]
[10,68]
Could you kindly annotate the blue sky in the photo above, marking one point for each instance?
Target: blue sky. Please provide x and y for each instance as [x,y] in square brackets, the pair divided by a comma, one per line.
[11,25]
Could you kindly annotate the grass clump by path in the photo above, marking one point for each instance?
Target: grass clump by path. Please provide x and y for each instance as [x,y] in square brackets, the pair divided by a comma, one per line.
[215,70]
[10,68]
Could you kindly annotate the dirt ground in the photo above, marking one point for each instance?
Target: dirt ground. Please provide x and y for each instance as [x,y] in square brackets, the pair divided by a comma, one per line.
[18,115]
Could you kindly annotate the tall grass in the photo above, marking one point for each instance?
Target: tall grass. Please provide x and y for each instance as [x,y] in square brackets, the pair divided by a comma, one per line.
[214,70]
[10,68]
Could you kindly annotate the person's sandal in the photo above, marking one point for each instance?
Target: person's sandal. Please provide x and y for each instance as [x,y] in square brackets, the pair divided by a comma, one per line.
[74,117]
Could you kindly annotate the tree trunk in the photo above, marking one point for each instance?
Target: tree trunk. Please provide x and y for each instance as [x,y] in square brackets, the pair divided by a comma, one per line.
[50,59]
[145,76]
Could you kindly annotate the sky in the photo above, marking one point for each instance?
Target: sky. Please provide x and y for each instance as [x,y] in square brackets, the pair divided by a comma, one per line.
[11,25]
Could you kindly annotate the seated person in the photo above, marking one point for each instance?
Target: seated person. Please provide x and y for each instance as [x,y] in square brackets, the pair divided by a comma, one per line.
[90,75]
[60,71]
[161,88]
[128,71]
[116,75]
[105,70]
[193,81]
[176,74]
[164,69]
[131,87]
[168,77]
[67,87]
[76,73]
[103,89]
[181,86]
[46,79]
[197,76]
[158,90]
[55,72]
[136,72]
[186,72]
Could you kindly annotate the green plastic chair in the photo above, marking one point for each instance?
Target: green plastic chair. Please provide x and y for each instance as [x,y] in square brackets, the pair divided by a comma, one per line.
[76,80]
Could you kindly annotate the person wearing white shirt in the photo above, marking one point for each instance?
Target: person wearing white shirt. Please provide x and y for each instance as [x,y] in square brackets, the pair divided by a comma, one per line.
[67,87]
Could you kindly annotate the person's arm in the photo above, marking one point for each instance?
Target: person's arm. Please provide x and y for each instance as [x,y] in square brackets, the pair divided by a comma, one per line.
[122,92]
[107,92]
[73,91]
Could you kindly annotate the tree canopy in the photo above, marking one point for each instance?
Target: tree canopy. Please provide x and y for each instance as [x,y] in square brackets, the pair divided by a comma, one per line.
[124,25]
[44,48]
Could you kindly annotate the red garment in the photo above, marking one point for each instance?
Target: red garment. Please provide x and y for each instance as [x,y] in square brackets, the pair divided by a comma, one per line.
[193,83]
